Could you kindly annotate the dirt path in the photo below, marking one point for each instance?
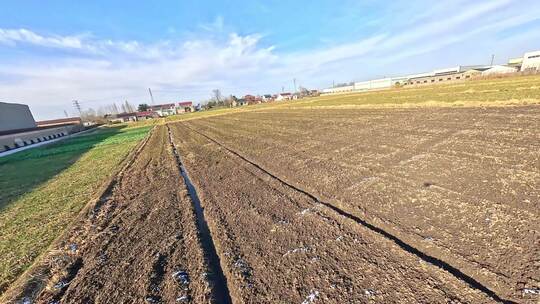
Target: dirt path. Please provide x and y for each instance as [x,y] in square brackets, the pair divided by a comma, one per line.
[279,245]
[138,245]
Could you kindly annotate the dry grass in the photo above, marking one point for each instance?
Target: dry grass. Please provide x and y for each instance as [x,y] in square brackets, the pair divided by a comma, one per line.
[484,92]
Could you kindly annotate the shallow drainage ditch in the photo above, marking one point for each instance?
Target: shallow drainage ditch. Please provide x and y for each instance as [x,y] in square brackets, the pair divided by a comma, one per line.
[216,277]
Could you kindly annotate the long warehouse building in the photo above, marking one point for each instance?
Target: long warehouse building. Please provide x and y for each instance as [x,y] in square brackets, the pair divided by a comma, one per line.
[14,116]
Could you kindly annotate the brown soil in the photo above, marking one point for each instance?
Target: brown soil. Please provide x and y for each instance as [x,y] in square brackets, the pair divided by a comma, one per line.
[460,184]
[431,205]
[278,245]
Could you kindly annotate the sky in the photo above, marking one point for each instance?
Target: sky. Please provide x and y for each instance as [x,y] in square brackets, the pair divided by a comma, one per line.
[99,52]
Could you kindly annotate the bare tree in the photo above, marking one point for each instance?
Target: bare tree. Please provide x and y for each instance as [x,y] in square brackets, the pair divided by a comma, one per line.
[216,96]
[230,101]
[93,116]
[129,107]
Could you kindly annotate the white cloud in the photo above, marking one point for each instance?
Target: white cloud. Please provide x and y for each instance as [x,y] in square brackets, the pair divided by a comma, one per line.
[99,71]
[15,36]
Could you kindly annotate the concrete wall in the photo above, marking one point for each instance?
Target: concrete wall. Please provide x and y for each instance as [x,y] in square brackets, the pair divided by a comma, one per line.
[430,80]
[12,141]
[15,116]
[378,84]
[339,89]
[499,69]
[373,84]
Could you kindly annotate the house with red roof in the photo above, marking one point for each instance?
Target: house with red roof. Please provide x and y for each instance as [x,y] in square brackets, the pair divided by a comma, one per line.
[185,107]
[163,109]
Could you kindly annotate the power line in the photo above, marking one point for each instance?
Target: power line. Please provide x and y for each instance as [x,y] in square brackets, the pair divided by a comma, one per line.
[110,98]
[151,96]
[77,106]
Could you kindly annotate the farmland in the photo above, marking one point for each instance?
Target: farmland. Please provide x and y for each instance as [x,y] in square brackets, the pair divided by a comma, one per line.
[423,195]
[444,180]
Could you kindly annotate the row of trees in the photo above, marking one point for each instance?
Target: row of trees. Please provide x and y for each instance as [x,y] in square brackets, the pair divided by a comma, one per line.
[217,100]
[98,115]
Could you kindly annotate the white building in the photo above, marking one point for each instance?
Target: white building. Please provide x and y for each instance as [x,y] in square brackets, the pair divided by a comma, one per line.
[531,61]
[164,109]
[284,96]
[499,69]
[342,89]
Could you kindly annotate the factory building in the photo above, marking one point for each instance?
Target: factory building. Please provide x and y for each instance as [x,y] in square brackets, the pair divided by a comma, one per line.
[14,116]
[340,89]
[378,84]
[458,73]
[19,129]
[499,70]
[531,61]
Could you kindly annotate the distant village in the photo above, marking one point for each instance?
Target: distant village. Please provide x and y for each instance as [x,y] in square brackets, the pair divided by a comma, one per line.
[145,111]
[528,63]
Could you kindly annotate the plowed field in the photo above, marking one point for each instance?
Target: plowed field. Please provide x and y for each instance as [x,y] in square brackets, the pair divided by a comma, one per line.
[405,205]
[459,184]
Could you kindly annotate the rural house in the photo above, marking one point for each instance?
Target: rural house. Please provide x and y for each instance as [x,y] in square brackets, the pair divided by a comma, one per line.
[164,109]
[284,96]
[185,107]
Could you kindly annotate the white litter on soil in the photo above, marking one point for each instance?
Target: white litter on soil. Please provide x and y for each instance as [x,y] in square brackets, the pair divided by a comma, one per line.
[311,297]
[296,250]
[534,291]
[305,211]
[181,277]
[182,299]
[369,292]
[26,301]
[61,285]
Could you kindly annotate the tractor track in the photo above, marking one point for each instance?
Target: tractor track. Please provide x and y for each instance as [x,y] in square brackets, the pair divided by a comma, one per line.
[216,277]
[138,243]
[456,272]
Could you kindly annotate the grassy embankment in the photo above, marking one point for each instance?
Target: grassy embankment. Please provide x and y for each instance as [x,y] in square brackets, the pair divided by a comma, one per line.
[516,90]
[483,92]
[44,188]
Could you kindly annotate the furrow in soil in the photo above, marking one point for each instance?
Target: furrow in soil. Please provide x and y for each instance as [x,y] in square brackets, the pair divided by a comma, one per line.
[280,245]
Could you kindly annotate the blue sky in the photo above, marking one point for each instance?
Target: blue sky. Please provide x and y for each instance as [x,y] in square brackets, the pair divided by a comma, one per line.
[108,51]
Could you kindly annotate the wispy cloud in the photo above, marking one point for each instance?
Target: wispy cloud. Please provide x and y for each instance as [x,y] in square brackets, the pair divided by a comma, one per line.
[218,25]
[12,37]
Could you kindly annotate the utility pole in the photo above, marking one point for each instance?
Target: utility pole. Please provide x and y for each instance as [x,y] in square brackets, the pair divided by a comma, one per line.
[77,106]
[294,82]
[492,58]
[65,113]
[151,96]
